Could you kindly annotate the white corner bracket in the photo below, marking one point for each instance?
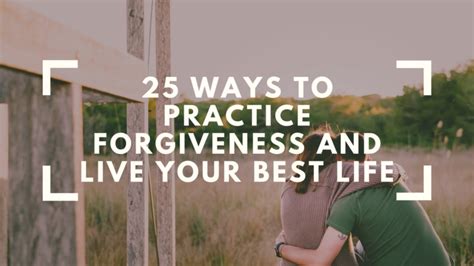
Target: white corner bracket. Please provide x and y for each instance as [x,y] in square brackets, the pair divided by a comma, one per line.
[419,196]
[426,194]
[47,195]
[423,64]
[48,65]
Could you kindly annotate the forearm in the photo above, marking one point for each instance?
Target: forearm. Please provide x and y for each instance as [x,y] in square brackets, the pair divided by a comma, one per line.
[302,256]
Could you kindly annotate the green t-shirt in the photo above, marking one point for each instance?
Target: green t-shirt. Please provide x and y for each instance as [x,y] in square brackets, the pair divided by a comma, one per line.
[392,232]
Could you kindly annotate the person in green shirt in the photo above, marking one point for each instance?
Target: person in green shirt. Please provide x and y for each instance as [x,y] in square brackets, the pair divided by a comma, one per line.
[392,232]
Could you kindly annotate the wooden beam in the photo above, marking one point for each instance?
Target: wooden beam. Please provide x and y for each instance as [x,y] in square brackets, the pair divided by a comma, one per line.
[44,132]
[100,67]
[94,96]
[78,156]
[165,192]
[3,141]
[3,97]
[138,193]
[3,183]
[136,28]
[137,122]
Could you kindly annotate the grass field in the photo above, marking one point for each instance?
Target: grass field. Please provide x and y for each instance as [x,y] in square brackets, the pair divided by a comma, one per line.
[235,224]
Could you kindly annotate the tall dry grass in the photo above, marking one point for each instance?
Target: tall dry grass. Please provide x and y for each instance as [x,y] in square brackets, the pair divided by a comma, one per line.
[236,223]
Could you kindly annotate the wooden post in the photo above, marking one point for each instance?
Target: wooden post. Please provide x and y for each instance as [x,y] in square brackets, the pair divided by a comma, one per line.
[137,122]
[45,131]
[137,212]
[78,155]
[165,192]
[3,183]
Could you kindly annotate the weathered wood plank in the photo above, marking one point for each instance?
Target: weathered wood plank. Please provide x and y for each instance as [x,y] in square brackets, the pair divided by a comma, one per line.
[3,222]
[100,67]
[3,141]
[135,28]
[78,152]
[3,97]
[165,192]
[137,207]
[41,233]
[137,121]
[94,96]
[3,183]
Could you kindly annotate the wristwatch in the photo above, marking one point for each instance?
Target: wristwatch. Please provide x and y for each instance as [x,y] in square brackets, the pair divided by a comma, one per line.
[277,248]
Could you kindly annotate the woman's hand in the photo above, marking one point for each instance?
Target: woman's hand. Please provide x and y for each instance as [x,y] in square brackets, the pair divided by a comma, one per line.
[331,244]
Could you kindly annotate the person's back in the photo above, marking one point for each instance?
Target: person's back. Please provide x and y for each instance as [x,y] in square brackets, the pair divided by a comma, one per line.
[303,218]
[392,232]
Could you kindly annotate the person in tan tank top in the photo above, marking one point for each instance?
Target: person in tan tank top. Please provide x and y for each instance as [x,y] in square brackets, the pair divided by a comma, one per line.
[305,205]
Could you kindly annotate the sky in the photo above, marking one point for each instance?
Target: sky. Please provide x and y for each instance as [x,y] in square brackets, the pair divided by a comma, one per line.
[354,43]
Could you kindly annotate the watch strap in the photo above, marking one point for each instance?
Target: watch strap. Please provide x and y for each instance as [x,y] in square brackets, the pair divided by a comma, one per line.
[277,249]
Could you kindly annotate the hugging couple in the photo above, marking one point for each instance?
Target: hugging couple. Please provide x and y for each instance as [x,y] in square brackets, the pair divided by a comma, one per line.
[320,218]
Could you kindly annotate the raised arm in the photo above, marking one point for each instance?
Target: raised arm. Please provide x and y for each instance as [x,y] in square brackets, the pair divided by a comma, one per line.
[330,246]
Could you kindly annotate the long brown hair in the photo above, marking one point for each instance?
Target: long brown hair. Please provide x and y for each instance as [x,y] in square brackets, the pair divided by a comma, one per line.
[311,143]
